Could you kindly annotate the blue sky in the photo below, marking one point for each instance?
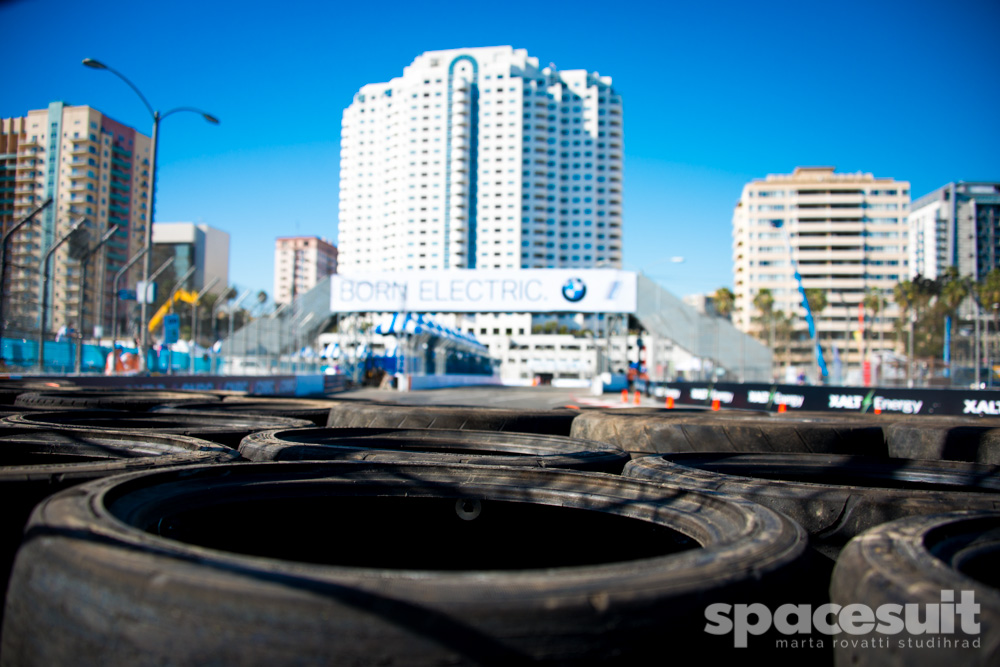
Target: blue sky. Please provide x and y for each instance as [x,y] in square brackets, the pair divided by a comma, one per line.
[714,95]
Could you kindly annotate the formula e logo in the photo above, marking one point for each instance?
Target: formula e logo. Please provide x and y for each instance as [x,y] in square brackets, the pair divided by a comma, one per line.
[574,290]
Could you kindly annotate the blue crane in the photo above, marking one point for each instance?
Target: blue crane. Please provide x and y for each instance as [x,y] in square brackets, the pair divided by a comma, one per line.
[779,224]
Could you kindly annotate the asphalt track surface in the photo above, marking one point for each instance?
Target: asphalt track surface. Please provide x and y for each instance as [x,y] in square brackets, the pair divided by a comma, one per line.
[511,398]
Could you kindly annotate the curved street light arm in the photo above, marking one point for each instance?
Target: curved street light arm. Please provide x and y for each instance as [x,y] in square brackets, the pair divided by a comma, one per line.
[95,64]
[204,114]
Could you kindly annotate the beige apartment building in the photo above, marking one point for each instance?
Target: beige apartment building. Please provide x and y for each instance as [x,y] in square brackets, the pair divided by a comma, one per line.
[92,167]
[299,263]
[847,235]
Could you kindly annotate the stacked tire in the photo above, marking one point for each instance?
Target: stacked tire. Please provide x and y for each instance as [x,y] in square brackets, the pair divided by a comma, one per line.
[834,497]
[107,399]
[354,562]
[400,534]
[939,568]
[440,446]
[316,411]
[671,432]
[221,427]
[544,422]
[35,463]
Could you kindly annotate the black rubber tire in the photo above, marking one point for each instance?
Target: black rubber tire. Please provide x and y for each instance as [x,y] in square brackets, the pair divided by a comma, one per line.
[642,435]
[974,439]
[11,389]
[220,427]
[545,422]
[433,446]
[912,561]
[36,463]
[555,566]
[834,497]
[109,399]
[11,410]
[314,410]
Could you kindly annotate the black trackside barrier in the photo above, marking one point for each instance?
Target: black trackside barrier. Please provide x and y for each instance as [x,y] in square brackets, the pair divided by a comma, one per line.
[869,400]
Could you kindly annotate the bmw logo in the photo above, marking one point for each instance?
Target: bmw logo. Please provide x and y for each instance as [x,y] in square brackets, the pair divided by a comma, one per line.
[574,290]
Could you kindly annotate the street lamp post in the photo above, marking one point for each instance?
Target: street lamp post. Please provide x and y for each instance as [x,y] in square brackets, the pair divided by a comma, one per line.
[3,258]
[232,346]
[301,329]
[45,290]
[170,308]
[277,314]
[114,290]
[226,296]
[147,263]
[194,319]
[84,264]
[163,267]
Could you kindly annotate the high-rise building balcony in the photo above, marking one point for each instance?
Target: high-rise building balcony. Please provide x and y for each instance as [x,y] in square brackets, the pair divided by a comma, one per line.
[81,185]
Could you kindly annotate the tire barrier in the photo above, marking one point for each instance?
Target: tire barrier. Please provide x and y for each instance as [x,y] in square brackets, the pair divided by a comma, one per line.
[542,422]
[39,462]
[937,566]
[432,446]
[360,563]
[641,435]
[9,410]
[835,498]
[220,427]
[108,399]
[11,389]
[974,439]
[316,411]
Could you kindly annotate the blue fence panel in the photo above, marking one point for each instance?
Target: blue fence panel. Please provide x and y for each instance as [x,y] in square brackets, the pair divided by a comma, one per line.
[60,356]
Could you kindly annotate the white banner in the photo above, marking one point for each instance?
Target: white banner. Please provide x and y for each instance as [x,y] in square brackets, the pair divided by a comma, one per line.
[486,291]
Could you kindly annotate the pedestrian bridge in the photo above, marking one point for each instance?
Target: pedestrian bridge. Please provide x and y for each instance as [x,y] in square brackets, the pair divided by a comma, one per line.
[662,314]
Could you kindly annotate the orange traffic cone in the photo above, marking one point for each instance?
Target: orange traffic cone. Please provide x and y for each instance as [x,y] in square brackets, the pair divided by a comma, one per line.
[624,395]
[782,407]
[670,402]
[716,405]
[637,397]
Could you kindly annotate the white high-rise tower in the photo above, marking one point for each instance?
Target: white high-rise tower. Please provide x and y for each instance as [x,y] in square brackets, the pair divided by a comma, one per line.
[479,158]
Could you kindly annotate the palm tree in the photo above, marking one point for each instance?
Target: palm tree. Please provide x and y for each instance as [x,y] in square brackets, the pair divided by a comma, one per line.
[764,302]
[988,289]
[872,302]
[816,298]
[914,298]
[952,291]
[988,292]
[724,300]
[784,330]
